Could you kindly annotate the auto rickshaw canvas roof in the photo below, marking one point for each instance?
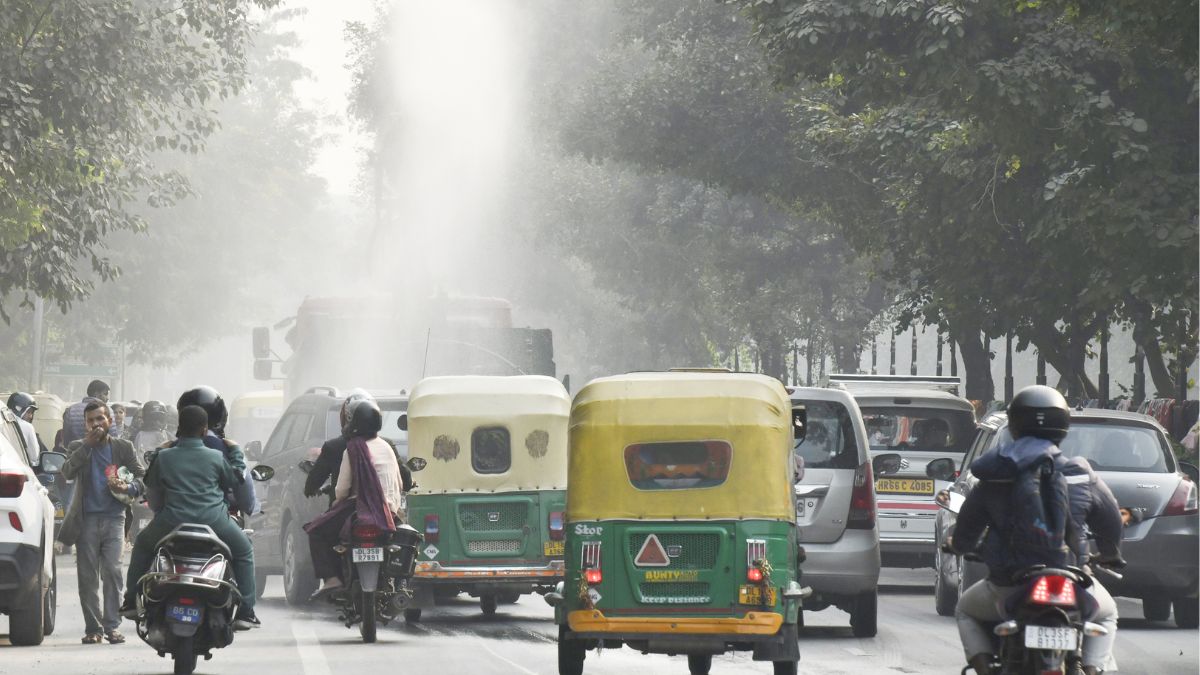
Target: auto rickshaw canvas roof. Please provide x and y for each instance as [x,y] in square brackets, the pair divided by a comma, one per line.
[445,412]
[751,412]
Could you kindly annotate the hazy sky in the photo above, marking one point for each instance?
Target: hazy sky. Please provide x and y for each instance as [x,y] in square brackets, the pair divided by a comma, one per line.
[324,53]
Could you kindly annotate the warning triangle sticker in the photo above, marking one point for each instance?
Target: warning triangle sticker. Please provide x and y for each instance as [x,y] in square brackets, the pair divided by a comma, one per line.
[652,553]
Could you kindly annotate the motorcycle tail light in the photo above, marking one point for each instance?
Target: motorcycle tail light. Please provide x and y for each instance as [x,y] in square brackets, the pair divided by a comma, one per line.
[433,528]
[186,601]
[15,520]
[1183,502]
[862,500]
[365,532]
[11,484]
[555,525]
[1053,590]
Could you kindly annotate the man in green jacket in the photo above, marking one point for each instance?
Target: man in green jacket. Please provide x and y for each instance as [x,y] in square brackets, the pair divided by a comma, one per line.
[189,482]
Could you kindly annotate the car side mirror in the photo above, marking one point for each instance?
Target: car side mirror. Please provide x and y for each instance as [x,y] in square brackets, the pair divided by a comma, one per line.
[415,463]
[254,450]
[262,472]
[262,342]
[942,469]
[51,463]
[1191,470]
[402,422]
[306,466]
[886,464]
[799,423]
[951,501]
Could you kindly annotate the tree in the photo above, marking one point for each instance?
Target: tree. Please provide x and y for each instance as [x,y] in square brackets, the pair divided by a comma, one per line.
[89,91]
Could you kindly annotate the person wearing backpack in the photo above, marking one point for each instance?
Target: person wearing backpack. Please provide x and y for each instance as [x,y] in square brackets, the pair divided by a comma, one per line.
[1034,504]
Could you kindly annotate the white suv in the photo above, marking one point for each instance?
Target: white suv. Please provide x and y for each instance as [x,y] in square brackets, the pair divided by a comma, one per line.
[28,590]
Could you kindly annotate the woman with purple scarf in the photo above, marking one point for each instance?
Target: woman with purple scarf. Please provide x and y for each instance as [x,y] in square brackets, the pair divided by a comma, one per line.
[369,488]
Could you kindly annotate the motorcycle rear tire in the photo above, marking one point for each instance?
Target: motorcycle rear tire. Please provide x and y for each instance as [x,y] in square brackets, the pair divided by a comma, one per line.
[185,658]
[367,611]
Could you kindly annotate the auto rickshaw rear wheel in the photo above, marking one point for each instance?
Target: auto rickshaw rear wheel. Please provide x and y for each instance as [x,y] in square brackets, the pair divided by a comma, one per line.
[785,667]
[699,664]
[570,654]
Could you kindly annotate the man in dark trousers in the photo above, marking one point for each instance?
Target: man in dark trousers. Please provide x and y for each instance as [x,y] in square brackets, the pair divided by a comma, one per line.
[186,483]
[95,521]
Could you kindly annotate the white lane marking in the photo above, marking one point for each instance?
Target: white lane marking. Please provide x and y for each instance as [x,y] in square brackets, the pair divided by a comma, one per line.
[519,667]
[312,657]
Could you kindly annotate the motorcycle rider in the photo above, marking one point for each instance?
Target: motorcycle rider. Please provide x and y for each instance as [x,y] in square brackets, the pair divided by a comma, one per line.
[187,483]
[242,494]
[329,462]
[23,406]
[1038,419]
[380,498]
[152,430]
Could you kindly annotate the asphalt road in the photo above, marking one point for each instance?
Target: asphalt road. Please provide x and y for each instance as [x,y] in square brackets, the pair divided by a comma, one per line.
[454,638]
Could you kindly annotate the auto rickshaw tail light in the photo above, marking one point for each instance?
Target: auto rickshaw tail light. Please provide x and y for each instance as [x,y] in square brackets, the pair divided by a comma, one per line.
[593,576]
[862,500]
[433,529]
[555,525]
[754,575]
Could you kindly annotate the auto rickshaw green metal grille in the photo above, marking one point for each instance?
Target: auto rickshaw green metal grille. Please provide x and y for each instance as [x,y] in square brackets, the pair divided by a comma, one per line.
[687,550]
[697,592]
[493,517]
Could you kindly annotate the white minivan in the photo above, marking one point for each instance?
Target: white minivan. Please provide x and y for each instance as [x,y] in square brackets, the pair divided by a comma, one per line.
[835,508]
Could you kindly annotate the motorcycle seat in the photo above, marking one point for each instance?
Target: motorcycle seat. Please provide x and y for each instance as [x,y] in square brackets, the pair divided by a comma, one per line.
[193,540]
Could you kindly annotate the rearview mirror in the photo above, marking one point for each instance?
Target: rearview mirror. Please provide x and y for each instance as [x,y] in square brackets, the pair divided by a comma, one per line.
[402,422]
[942,469]
[799,423]
[886,464]
[306,465]
[415,463]
[262,342]
[262,472]
[51,463]
[254,450]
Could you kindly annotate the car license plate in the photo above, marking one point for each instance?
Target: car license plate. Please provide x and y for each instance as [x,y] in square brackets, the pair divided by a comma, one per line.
[184,614]
[904,486]
[800,508]
[367,555]
[1047,637]
[749,594]
[552,548]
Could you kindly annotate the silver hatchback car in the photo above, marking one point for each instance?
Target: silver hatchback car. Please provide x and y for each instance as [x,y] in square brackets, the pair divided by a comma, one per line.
[835,508]
[1130,453]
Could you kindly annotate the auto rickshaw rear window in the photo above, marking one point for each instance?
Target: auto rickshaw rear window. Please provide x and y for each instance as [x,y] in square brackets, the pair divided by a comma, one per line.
[491,450]
[678,465]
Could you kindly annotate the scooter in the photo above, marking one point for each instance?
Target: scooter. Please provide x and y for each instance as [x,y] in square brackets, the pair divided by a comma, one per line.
[186,603]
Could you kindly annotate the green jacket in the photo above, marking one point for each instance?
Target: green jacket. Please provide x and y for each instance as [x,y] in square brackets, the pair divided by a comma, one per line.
[77,461]
[189,481]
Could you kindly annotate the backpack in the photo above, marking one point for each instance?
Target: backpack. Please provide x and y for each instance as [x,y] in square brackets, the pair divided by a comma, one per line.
[1039,516]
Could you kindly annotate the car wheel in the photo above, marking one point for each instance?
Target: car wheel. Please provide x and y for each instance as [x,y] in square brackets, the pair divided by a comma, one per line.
[260,584]
[1186,612]
[27,624]
[945,596]
[571,654]
[51,600]
[1156,608]
[864,617]
[299,580]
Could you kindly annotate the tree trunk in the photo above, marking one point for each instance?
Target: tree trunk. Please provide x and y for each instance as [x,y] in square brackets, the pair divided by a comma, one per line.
[977,362]
[1067,354]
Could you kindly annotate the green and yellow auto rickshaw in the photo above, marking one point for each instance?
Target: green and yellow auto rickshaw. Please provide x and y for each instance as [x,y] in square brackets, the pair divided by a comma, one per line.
[681,524]
[490,500]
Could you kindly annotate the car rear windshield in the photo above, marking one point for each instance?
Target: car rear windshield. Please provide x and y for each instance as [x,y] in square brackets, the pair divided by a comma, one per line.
[1112,447]
[392,410]
[829,441]
[678,465]
[905,428]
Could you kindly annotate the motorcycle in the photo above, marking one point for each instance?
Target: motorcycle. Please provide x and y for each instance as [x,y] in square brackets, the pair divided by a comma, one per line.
[187,602]
[376,570]
[1048,616]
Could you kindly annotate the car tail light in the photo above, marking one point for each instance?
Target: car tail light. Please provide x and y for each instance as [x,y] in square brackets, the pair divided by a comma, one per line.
[11,484]
[862,500]
[364,533]
[15,521]
[1183,502]
[433,528]
[1053,590]
[555,525]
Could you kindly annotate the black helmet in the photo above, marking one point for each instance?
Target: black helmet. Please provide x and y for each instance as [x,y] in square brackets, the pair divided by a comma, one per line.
[365,418]
[153,416]
[355,396]
[209,399]
[19,402]
[1039,411]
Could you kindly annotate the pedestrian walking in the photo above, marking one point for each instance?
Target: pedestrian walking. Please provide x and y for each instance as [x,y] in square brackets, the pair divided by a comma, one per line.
[108,476]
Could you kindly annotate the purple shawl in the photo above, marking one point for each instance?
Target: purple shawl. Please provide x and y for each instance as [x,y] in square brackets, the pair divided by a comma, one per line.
[369,505]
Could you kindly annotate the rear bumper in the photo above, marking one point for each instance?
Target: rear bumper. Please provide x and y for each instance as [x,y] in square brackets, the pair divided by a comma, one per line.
[433,571]
[593,623]
[847,566]
[1162,562]
[19,565]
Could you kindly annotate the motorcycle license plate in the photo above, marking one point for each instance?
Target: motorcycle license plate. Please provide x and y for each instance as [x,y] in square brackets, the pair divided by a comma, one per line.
[183,614]
[750,594]
[59,513]
[1061,638]
[367,555]
[552,548]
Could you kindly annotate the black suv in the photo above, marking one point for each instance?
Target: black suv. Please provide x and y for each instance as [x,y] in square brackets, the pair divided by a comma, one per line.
[280,544]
